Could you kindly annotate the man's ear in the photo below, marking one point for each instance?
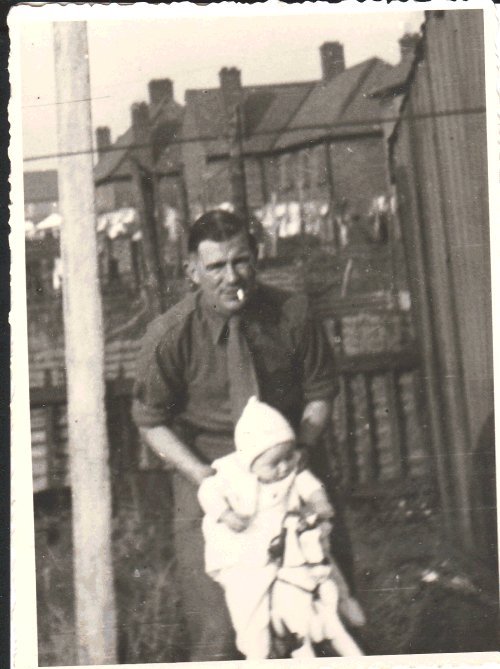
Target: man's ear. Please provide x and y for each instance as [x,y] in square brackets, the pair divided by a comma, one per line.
[191,270]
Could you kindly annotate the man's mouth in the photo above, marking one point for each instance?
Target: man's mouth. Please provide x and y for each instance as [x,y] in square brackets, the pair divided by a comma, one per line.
[238,294]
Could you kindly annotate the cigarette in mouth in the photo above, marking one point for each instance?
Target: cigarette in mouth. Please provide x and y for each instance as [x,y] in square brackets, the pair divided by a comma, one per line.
[240,294]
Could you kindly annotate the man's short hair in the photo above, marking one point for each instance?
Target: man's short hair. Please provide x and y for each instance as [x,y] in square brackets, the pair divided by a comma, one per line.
[218,225]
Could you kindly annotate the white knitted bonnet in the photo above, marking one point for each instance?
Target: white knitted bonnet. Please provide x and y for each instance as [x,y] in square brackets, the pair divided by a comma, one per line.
[259,428]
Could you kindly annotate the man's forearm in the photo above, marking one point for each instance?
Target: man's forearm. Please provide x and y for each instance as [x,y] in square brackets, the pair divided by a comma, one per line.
[315,418]
[171,449]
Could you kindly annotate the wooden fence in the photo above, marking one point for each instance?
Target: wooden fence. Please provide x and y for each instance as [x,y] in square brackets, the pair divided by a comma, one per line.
[438,163]
[377,421]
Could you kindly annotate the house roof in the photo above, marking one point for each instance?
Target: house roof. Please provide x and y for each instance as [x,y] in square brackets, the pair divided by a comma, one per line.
[285,102]
[113,162]
[267,109]
[342,99]
[395,80]
[110,160]
[274,116]
[41,186]
[278,116]
[205,119]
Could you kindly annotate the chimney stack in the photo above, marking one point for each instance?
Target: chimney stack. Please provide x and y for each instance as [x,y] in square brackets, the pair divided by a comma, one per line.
[332,59]
[160,89]
[140,114]
[230,85]
[407,45]
[141,126]
[103,139]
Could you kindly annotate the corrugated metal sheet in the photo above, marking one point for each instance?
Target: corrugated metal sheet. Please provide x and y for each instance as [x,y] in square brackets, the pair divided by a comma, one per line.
[438,160]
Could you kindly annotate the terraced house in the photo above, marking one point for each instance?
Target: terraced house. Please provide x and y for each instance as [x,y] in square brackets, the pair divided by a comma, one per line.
[307,151]
[308,148]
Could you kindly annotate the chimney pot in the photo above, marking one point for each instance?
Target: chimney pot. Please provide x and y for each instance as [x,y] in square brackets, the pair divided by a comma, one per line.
[103,139]
[160,89]
[332,59]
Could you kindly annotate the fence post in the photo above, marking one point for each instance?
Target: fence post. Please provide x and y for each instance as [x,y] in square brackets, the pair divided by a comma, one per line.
[237,162]
[331,193]
[83,327]
[151,244]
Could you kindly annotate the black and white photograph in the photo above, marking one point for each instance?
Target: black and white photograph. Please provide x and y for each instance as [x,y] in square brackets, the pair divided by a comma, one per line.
[253,408]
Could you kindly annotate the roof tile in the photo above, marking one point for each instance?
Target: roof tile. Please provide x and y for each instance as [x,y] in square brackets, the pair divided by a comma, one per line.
[339,100]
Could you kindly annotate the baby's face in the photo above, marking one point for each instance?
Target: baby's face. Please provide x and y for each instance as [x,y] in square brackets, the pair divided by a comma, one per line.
[276,463]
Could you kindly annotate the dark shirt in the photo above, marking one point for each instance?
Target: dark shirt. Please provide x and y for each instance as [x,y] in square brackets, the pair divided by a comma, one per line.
[182,379]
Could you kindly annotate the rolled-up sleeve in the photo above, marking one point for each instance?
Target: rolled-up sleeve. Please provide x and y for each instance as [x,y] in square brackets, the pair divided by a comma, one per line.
[157,389]
[319,378]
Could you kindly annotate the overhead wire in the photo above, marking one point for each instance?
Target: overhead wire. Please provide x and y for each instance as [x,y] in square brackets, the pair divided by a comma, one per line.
[65,102]
[373,125]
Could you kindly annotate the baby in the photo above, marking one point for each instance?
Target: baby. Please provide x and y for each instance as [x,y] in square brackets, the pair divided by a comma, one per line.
[257,495]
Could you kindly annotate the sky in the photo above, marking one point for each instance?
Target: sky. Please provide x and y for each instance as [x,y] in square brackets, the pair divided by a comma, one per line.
[124,55]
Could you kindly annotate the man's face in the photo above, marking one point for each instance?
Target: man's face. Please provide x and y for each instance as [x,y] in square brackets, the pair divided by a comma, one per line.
[225,272]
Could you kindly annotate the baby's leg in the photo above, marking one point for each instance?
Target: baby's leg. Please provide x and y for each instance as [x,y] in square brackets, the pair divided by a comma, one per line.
[333,627]
[304,652]
[342,641]
[247,593]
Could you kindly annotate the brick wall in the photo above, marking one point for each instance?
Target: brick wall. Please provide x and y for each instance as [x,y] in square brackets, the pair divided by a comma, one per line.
[105,198]
[193,156]
[359,171]
[217,184]
[359,174]
[170,193]
[253,179]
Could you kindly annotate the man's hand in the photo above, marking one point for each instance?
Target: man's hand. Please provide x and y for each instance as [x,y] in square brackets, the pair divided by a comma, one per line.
[234,521]
[201,473]
[314,420]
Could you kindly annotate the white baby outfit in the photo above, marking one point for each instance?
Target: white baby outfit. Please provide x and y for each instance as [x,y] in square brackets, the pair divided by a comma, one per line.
[240,561]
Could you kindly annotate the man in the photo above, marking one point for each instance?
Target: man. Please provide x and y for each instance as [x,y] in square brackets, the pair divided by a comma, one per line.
[200,361]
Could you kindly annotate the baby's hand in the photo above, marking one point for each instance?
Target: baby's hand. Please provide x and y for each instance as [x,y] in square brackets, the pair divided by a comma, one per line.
[234,521]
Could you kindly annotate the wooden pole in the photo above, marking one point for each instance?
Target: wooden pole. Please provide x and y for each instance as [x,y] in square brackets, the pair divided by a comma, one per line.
[151,244]
[83,328]
[237,163]
[331,194]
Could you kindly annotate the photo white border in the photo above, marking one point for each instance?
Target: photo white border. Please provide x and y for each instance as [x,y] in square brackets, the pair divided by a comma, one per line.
[23,625]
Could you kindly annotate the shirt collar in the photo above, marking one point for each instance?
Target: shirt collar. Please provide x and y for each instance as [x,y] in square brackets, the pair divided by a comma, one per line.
[217,323]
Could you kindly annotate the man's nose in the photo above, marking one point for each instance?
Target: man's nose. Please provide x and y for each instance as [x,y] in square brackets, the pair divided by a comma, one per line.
[231,274]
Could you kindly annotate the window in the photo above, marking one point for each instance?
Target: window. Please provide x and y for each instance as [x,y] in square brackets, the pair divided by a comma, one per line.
[305,168]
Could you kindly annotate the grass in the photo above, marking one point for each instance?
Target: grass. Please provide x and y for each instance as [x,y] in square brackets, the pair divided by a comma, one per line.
[419,595]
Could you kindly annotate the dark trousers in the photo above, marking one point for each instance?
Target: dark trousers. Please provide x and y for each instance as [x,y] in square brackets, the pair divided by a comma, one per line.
[340,544]
[209,630]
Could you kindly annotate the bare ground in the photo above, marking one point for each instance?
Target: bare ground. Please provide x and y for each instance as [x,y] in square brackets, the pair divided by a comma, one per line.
[420,595]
